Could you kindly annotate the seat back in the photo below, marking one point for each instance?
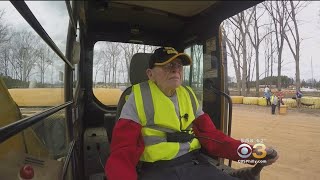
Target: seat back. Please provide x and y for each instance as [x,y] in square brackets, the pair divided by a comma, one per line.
[138,66]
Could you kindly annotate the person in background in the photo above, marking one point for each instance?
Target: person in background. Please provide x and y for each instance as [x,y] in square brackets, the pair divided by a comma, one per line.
[280,95]
[267,95]
[298,98]
[274,102]
[266,89]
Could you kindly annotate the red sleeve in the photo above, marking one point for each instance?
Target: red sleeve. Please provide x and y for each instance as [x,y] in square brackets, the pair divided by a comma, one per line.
[127,146]
[203,126]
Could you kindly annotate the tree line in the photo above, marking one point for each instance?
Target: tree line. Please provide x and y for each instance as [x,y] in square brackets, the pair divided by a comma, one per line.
[246,32]
[111,63]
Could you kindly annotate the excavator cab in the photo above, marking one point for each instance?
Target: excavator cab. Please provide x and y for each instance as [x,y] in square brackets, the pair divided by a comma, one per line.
[89,109]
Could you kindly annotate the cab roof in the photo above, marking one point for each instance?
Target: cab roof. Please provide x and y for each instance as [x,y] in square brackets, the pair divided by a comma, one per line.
[157,22]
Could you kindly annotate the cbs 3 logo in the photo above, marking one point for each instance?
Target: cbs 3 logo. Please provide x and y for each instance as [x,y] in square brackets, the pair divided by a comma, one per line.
[245,150]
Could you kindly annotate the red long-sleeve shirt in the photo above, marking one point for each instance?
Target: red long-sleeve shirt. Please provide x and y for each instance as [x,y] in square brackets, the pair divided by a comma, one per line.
[127,146]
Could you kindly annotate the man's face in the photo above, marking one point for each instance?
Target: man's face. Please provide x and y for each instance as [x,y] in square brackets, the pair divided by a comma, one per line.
[168,76]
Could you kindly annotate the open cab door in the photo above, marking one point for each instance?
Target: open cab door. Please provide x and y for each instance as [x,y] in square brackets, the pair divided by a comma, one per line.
[189,26]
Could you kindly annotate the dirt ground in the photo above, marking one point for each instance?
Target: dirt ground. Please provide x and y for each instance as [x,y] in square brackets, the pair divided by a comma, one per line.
[295,136]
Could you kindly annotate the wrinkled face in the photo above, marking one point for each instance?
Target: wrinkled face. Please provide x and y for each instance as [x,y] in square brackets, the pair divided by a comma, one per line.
[168,76]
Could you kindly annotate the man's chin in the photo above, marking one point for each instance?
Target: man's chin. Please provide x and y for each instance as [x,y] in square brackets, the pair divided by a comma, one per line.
[175,84]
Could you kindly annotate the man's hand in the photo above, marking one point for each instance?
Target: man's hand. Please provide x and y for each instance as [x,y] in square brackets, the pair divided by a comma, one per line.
[272,156]
[253,173]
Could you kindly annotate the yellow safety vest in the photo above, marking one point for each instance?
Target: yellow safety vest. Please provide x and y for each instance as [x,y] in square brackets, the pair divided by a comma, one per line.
[272,99]
[157,116]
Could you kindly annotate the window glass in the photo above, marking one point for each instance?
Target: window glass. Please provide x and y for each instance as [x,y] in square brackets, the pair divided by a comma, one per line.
[31,71]
[31,81]
[193,75]
[44,146]
[111,66]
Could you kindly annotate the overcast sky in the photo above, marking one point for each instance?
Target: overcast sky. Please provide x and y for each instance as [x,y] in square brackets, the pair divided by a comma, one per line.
[52,15]
[54,18]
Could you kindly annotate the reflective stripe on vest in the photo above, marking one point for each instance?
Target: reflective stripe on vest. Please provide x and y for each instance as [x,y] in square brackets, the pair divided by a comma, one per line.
[157,116]
[193,99]
[273,98]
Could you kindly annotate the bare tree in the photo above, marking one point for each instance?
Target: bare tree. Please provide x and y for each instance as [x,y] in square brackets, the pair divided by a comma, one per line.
[106,68]
[4,45]
[241,21]
[249,61]
[4,29]
[5,60]
[233,44]
[256,40]
[123,70]
[106,64]
[295,44]
[280,17]
[197,58]
[44,60]
[269,51]
[129,50]
[112,53]
[97,64]
[23,54]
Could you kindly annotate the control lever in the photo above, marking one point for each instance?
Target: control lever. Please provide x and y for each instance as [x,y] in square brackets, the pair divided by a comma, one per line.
[253,173]
[208,84]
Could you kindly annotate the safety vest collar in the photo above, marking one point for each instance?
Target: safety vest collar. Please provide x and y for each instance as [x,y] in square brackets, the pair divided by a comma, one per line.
[143,91]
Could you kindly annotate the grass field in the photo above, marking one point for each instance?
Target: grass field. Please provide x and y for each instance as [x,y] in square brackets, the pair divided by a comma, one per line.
[39,97]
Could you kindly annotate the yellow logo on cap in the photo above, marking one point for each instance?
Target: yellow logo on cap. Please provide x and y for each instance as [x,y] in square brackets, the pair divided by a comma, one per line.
[170,50]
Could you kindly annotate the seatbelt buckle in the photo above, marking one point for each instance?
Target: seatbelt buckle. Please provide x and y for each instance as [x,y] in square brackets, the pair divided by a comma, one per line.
[181,137]
[195,162]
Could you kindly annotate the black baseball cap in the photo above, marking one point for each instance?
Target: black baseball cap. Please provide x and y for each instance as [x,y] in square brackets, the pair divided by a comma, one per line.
[164,55]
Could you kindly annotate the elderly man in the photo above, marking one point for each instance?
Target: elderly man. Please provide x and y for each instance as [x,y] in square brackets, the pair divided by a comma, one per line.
[160,128]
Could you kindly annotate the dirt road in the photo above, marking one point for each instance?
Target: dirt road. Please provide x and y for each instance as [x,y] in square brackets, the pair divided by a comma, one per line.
[296,137]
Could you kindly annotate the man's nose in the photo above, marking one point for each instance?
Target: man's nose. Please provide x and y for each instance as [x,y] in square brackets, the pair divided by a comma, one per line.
[175,69]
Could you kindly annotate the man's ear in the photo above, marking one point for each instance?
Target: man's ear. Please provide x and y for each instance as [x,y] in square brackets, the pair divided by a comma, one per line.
[149,73]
